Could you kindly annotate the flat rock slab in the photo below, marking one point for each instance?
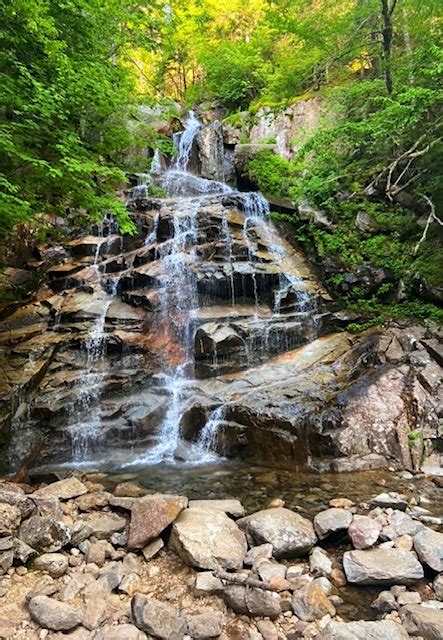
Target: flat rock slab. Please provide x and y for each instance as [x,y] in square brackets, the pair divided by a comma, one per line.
[429,547]
[103,525]
[382,630]
[233,508]
[208,539]
[423,621]
[151,515]
[382,567]
[288,532]
[62,490]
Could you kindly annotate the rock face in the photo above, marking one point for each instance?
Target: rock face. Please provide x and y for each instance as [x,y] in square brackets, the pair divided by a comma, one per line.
[157,619]
[382,567]
[151,515]
[208,539]
[289,533]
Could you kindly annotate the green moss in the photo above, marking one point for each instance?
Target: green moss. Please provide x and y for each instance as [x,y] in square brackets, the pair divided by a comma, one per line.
[271,173]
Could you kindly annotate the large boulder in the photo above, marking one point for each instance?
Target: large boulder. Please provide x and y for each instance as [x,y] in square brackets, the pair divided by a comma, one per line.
[382,567]
[289,533]
[44,534]
[151,515]
[52,614]
[208,539]
[157,619]
[361,630]
[423,621]
[429,547]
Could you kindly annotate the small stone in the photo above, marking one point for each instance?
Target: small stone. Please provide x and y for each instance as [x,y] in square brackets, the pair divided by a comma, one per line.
[404,542]
[311,603]
[130,489]
[362,630]
[422,621]
[205,625]
[119,632]
[331,521]
[364,532]
[409,597]
[277,503]
[96,553]
[130,584]
[158,619]
[385,602]
[96,611]
[320,563]
[21,571]
[56,564]
[6,560]
[397,589]
[52,614]
[341,503]
[207,584]
[92,501]
[152,548]
[268,570]
[338,578]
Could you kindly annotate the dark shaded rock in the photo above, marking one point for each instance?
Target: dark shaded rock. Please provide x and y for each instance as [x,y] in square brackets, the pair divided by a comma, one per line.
[429,547]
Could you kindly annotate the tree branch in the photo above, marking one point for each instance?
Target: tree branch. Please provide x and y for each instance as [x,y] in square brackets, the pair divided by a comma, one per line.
[431,218]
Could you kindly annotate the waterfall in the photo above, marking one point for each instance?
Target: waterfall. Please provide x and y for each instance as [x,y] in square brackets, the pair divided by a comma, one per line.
[185,141]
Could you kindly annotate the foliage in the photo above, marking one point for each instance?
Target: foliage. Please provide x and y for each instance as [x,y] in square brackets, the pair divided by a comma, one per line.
[272,173]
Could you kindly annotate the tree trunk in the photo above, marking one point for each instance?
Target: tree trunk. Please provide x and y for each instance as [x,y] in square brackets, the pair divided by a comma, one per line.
[387,31]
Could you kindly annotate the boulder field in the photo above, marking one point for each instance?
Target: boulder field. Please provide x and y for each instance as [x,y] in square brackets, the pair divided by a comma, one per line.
[86,559]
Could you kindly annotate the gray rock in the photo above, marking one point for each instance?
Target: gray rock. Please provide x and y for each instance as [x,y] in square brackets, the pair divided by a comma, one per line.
[252,602]
[6,560]
[52,614]
[152,548]
[409,597]
[392,500]
[385,602]
[44,534]
[157,619]
[320,564]
[423,621]
[208,539]
[311,603]
[315,216]
[22,551]
[62,490]
[97,610]
[96,553]
[56,564]
[403,524]
[382,567]
[268,630]
[331,521]
[381,630]
[103,525]
[366,223]
[119,632]
[289,533]
[232,507]
[208,624]
[207,584]
[263,551]
[17,499]
[429,547]
[364,532]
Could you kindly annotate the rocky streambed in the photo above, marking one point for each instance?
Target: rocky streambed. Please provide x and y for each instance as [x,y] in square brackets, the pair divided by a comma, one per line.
[91,558]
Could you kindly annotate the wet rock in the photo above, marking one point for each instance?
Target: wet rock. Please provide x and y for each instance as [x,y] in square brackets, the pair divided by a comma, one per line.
[320,563]
[423,621]
[382,567]
[10,517]
[381,630]
[207,584]
[151,515]
[392,500]
[252,601]
[44,534]
[364,531]
[311,603]
[119,632]
[232,507]
[289,533]
[62,490]
[56,564]
[331,521]
[52,614]
[429,547]
[385,602]
[208,624]
[157,619]
[263,551]
[103,525]
[208,539]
